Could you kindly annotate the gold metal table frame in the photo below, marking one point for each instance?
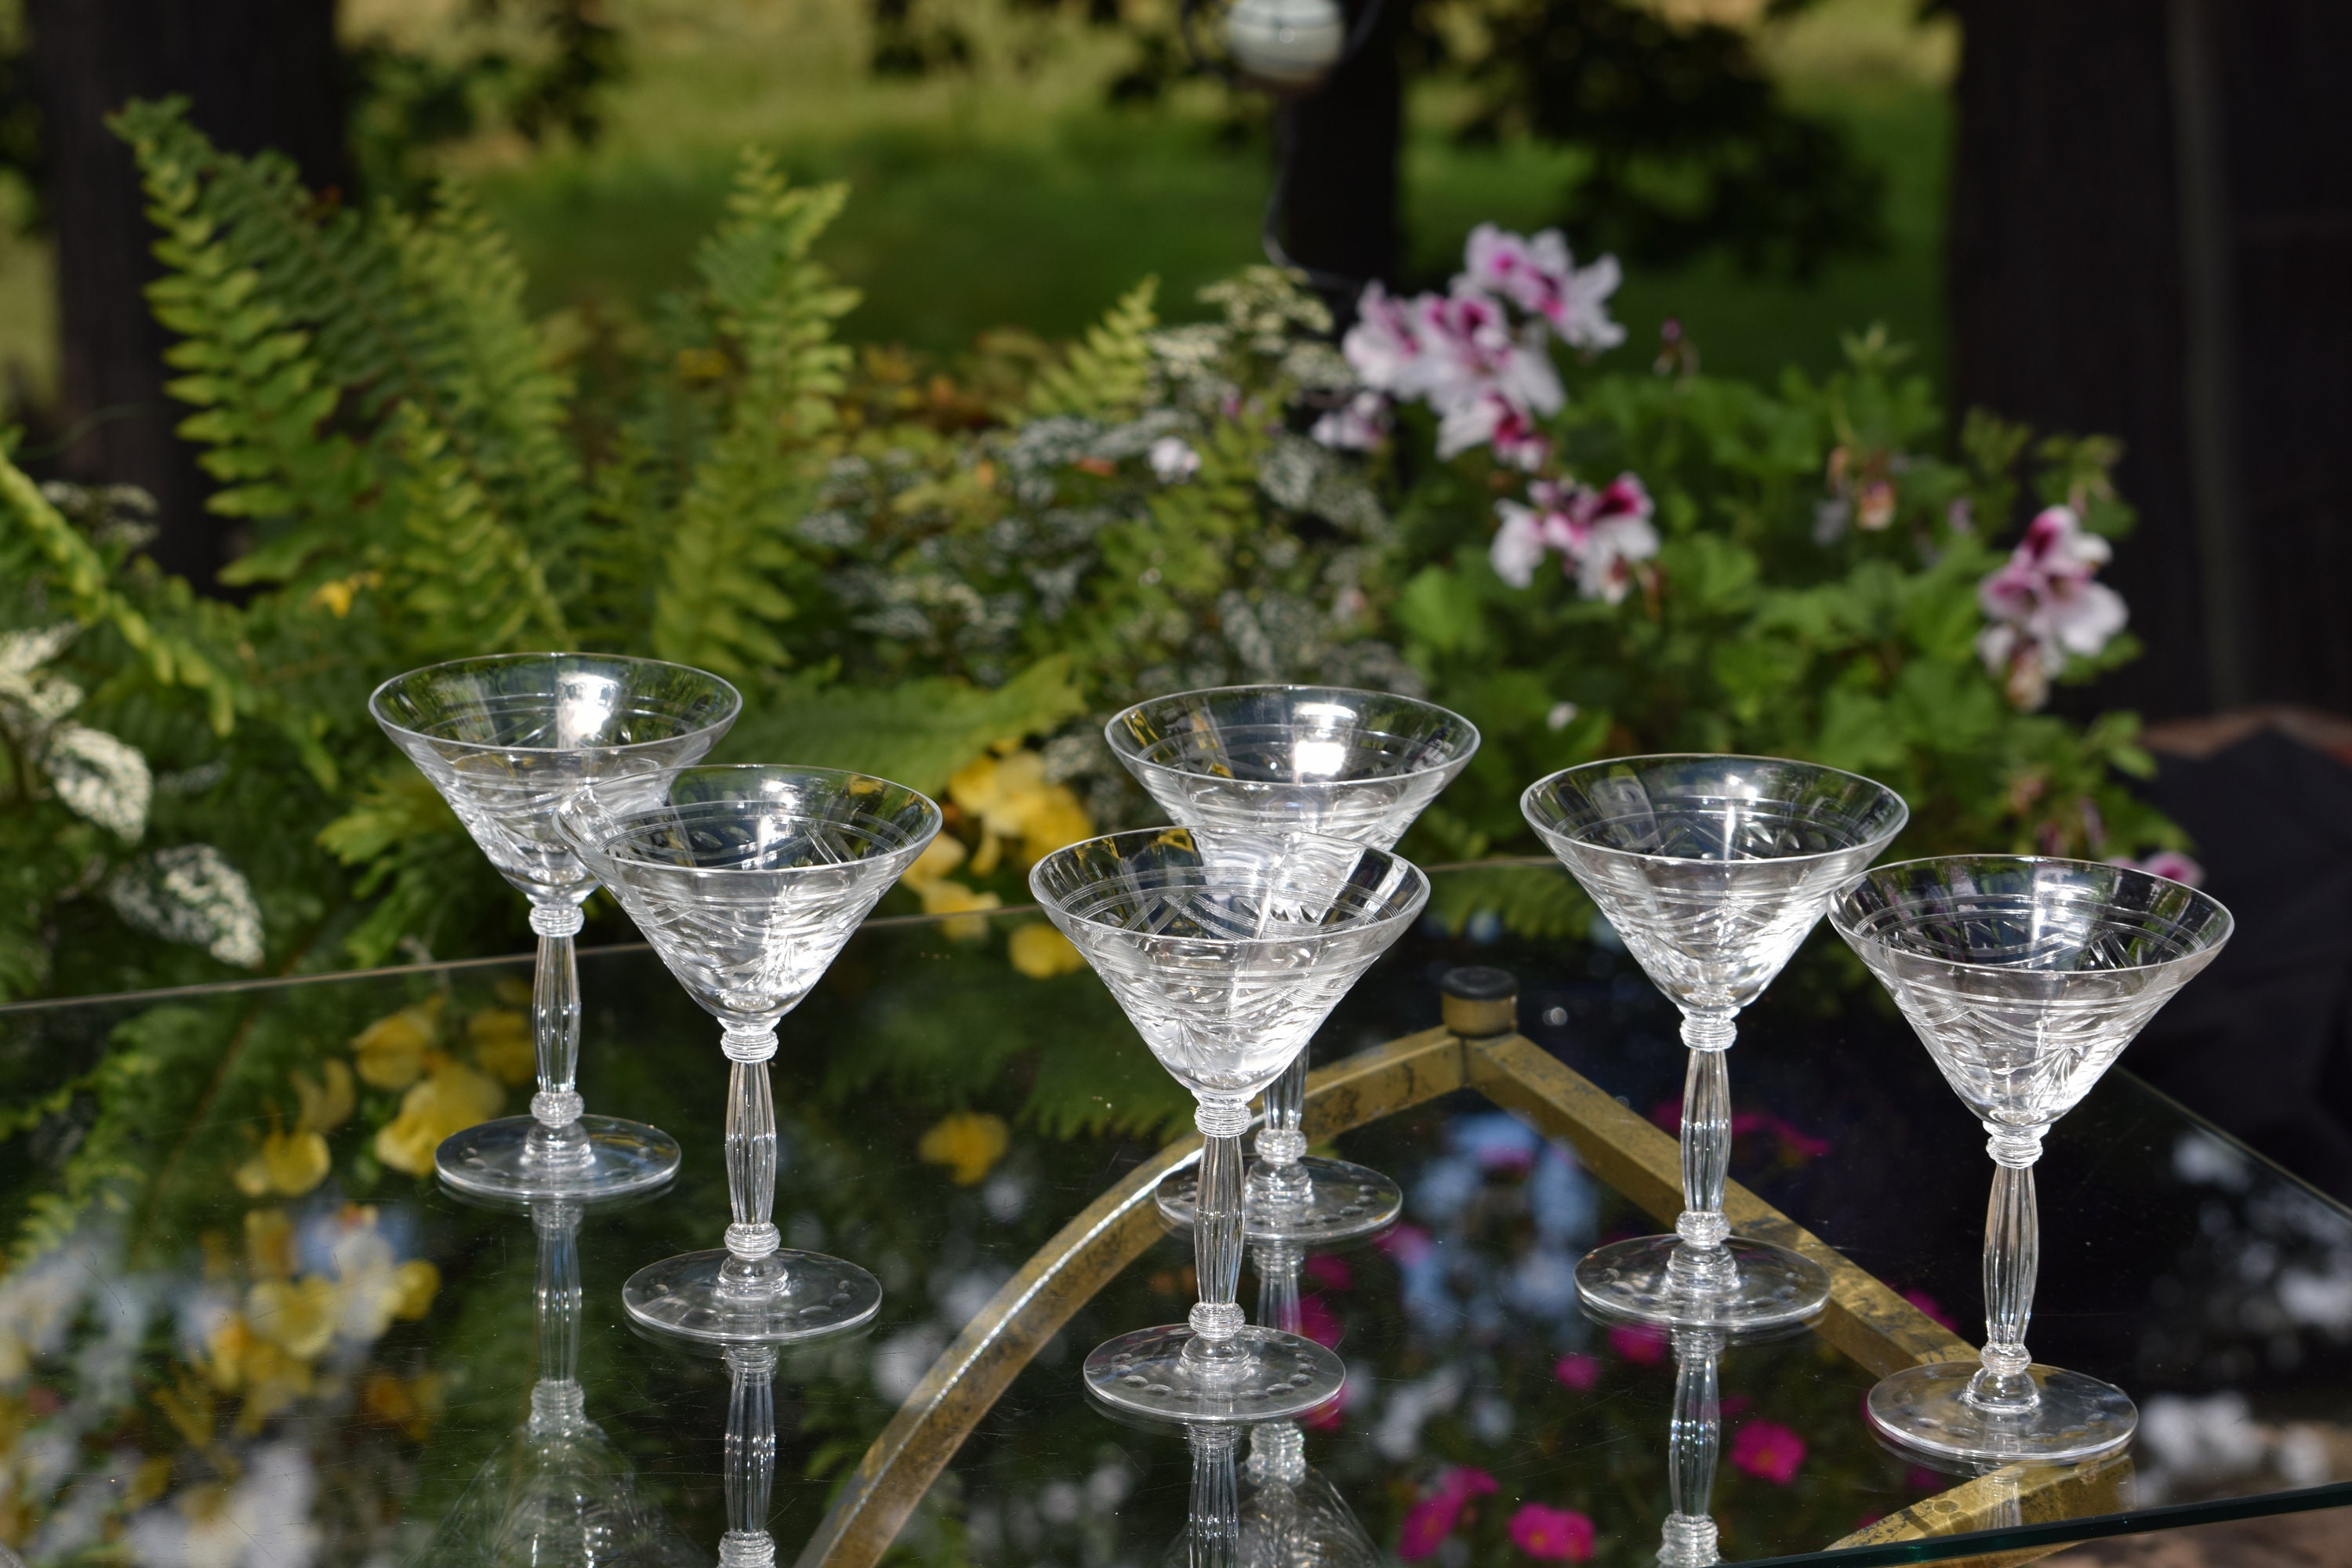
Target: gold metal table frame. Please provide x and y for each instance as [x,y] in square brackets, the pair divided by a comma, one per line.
[1477,1048]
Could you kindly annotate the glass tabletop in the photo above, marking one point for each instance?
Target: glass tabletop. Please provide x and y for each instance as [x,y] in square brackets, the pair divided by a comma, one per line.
[241,1324]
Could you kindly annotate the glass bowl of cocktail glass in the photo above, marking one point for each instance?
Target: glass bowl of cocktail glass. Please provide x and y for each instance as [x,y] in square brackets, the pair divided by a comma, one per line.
[507,739]
[1712,870]
[1359,766]
[2025,978]
[1226,951]
[748,881]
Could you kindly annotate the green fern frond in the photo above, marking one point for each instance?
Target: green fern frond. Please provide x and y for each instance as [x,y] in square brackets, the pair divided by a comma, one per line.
[1108,377]
[729,563]
[466,580]
[1539,901]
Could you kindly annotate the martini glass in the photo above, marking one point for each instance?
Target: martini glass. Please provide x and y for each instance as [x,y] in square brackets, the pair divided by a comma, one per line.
[1712,870]
[1226,951]
[505,739]
[748,881]
[558,1494]
[1350,765]
[2025,979]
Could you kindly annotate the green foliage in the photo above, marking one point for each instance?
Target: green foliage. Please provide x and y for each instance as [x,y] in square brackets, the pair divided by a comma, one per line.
[1107,375]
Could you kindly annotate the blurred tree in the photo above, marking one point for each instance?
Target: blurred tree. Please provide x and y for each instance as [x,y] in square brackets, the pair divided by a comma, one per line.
[2151,228]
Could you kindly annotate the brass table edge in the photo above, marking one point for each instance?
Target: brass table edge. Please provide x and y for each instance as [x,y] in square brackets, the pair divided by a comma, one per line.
[1865,1320]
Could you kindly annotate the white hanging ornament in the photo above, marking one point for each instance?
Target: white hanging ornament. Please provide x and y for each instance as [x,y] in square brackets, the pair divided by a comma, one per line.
[1287,44]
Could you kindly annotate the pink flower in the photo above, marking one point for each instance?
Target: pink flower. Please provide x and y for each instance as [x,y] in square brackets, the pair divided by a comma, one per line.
[1359,425]
[1541,277]
[2169,863]
[1644,1344]
[1408,1244]
[2043,607]
[1318,1322]
[1931,1307]
[1385,345]
[1600,534]
[1768,1451]
[1487,380]
[1329,1271]
[1173,461]
[1552,1534]
[1577,1370]
[1431,1519]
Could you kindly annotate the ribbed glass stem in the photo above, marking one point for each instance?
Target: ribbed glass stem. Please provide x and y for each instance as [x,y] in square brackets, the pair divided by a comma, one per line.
[1692,1443]
[753,1271]
[1216,1316]
[1214,1528]
[1277,1179]
[1701,1264]
[750,1457]
[558,1225]
[2012,1257]
[558,1139]
[1277,1285]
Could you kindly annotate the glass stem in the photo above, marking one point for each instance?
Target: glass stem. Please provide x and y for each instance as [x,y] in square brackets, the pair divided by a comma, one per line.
[2013,1257]
[1701,1266]
[750,1457]
[1216,1318]
[1277,1285]
[1213,1531]
[753,1269]
[1277,1179]
[556,1403]
[558,1140]
[1693,1442]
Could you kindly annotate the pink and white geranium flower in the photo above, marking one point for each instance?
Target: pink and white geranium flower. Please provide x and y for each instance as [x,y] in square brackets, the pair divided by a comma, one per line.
[1600,534]
[2044,608]
[1541,277]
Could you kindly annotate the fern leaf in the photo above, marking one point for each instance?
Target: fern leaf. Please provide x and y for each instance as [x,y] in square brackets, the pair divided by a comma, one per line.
[1531,901]
[1108,377]
[468,581]
[730,567]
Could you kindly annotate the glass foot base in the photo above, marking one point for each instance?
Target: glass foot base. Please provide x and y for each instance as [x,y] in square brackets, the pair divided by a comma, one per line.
[680,1296]
[1771,1284]
[1922,1408]
[490,1160]
[1344,1202]
[1277,1375]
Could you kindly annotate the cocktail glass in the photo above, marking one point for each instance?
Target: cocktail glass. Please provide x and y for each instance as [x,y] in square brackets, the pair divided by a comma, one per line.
[2025,979]
[1712,869]
[748,881]
[1359,766]
[1226,950]
[507,739]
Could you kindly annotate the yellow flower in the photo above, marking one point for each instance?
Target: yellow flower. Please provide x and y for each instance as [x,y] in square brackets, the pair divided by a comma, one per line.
[949,897]
[298,1316]
[417,1281]
[336,597]
[503,1046]
[268,1243]
[969,1143]
[1041,952]
[225,1348]
[942,856]
[1011,798]
[273,1379]
[289,1162]
[409,1404]
[454,1099]
[390,1050]
[326,1106]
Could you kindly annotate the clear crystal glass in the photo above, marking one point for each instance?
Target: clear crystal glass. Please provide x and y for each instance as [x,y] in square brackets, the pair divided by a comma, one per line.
[1359,766]
[2025,979]
[1226,951]
[507,739]
[557,1494]
[747,881]
[1712,870]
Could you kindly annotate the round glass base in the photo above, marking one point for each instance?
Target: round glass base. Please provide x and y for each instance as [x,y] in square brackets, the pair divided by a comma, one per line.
[1344,1202]
[817,1295]
[493,1159]
[1771,1285]
[1275,1375]
[2077,1418]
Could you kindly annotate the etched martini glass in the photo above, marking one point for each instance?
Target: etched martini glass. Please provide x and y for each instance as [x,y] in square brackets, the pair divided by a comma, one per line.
[2025,978]
[1361,765]
[748,881]
[507,739]
[1226,951]
[1712,870]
